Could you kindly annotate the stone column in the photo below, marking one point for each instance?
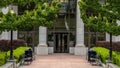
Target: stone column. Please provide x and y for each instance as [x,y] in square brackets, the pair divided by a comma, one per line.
[80,49]
[42,48]
[114,38]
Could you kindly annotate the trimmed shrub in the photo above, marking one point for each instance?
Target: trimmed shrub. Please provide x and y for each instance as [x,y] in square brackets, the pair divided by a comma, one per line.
[116,45]
[104,54]
[19,42]
[18,52]
[5,44]
[116,59]
[3,58]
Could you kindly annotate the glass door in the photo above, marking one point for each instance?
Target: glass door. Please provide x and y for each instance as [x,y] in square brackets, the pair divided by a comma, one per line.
[61,43]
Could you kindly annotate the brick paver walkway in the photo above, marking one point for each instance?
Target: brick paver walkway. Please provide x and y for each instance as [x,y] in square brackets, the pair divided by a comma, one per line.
[60,61]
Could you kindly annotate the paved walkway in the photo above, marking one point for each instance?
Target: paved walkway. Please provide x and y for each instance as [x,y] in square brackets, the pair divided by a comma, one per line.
[60,61]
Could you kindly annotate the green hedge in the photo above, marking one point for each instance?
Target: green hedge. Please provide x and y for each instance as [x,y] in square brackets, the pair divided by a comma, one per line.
[4,56]
[3,59]
[116,59]
[17,52]
[104,54]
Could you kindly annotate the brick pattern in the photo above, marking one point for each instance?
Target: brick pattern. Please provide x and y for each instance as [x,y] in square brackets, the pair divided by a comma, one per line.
[60,61]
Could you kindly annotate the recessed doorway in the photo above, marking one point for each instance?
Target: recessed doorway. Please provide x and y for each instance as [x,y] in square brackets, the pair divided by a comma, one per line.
[61,43]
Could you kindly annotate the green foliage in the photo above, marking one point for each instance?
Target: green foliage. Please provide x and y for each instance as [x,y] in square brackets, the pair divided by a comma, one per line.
[8,22]
[113,5]
[4,56]
[43,14]
[104,53]
[18,52]
[4,3]
[107,14]
[3,59]
[95,19]
[116,59]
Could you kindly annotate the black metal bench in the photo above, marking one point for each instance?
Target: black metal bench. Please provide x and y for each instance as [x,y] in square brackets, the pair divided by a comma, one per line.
[28,56]
[93,57]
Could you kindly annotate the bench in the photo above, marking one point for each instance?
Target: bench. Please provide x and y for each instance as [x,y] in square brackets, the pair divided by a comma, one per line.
[28,56]
[93,57]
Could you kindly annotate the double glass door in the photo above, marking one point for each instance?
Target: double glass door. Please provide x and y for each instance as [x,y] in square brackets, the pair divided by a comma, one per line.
[61,43]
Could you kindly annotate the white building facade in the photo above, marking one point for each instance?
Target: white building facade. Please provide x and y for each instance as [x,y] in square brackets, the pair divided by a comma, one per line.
[66,35]
[59,38]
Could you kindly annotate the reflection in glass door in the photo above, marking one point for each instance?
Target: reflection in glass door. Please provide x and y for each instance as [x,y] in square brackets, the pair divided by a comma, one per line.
[61,43]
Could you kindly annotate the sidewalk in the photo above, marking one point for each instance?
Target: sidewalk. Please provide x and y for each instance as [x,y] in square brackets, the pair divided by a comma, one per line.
[60,60]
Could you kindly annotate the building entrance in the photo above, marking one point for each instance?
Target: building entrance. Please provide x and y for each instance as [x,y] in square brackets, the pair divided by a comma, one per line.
[61,43]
